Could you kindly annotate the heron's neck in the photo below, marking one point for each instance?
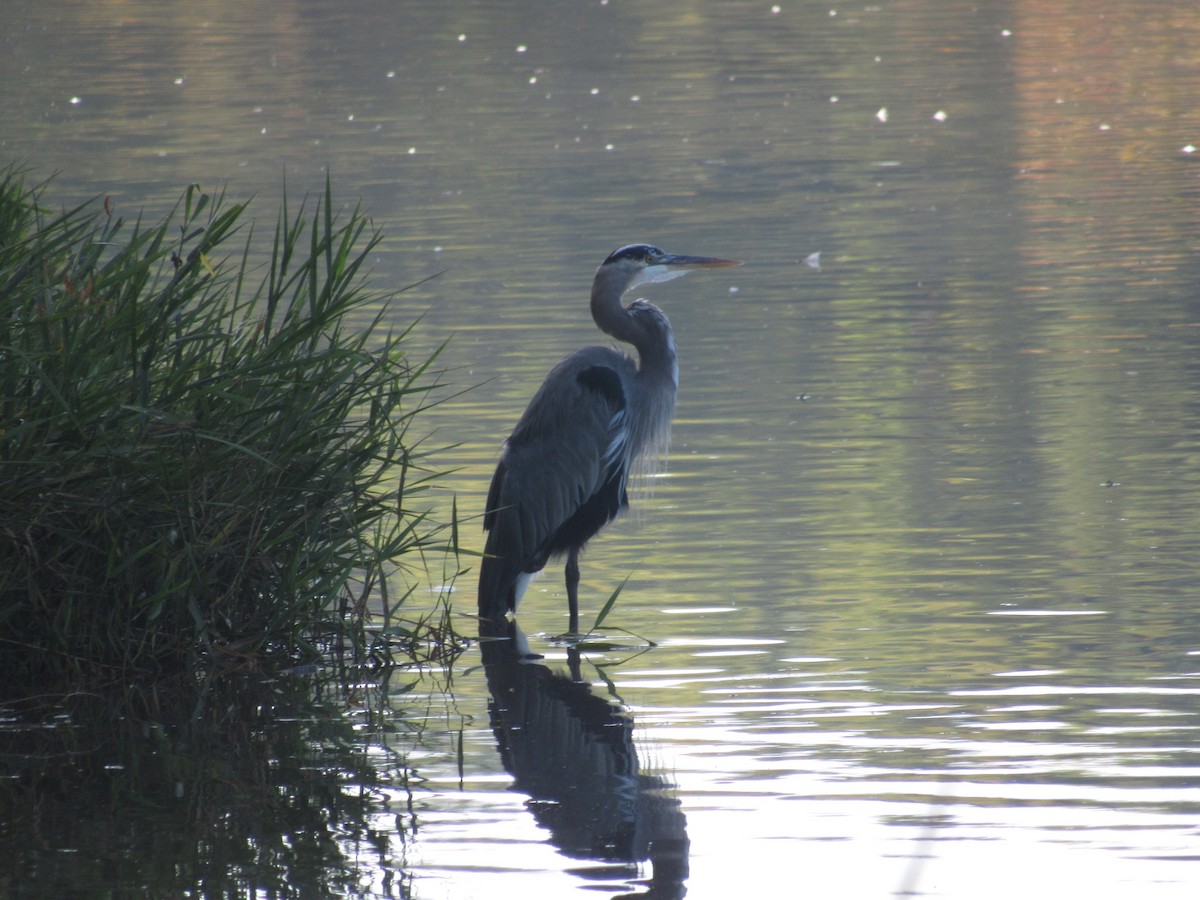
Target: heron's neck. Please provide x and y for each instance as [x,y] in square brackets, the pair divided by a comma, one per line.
[610,314]
[648,331]
[646,327]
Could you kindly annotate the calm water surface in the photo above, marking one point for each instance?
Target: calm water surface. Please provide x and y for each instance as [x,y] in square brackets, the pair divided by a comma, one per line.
[922,572]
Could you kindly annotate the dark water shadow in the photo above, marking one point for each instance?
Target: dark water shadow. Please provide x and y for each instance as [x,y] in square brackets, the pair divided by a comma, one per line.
[265,788]
[572,752]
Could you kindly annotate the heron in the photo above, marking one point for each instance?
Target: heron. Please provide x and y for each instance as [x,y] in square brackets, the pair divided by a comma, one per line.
[563,472]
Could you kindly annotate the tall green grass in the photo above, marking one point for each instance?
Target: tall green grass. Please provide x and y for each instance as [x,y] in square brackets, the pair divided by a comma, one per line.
[203,459]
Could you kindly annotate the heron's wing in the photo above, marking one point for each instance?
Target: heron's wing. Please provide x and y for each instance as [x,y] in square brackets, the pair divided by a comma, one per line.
[569,444]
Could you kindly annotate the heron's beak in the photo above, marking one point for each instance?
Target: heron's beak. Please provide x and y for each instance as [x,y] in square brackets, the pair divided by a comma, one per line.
[698,262]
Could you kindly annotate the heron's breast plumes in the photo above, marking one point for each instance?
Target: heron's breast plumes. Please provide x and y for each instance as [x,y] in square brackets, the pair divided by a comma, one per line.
[654,401]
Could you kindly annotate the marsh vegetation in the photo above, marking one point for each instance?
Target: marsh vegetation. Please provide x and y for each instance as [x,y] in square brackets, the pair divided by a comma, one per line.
[206,448]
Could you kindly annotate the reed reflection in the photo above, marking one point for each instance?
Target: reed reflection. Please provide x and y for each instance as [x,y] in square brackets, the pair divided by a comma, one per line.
[572,752]
[262,788]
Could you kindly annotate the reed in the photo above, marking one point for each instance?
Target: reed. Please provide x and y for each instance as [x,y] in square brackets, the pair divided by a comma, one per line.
[203,459]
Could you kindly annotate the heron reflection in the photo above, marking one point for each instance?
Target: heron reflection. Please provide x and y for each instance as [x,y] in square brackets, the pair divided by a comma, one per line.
[572,752]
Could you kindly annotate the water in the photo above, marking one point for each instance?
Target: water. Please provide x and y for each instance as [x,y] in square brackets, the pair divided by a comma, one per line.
[921,574]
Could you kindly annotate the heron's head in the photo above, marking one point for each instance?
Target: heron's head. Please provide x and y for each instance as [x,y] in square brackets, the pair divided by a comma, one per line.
[636,264]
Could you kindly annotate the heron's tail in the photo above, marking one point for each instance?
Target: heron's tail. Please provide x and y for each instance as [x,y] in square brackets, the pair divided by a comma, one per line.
[497,588]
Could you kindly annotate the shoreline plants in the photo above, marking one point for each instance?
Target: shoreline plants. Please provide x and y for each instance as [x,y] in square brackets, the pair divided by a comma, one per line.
[204,462]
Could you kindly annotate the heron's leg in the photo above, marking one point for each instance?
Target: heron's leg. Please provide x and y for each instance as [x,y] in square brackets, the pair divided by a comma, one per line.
[572,573]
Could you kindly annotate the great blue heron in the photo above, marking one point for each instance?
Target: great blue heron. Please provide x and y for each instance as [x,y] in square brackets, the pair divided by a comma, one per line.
[563,471]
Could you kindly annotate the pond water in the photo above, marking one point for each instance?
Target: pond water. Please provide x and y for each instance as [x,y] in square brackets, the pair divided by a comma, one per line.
[921,574]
